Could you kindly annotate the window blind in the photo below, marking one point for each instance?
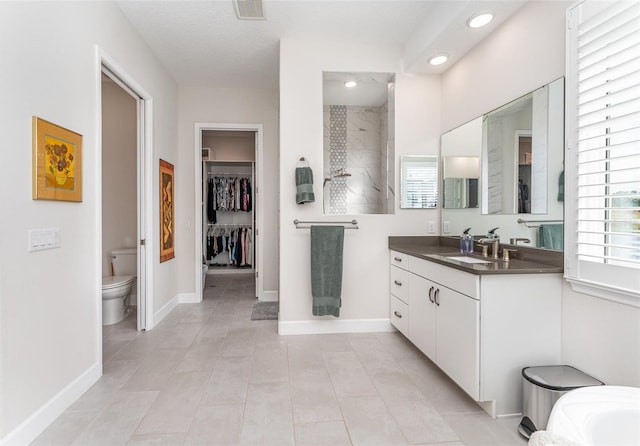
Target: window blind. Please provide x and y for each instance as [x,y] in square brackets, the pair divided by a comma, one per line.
[419,185]
[604,141]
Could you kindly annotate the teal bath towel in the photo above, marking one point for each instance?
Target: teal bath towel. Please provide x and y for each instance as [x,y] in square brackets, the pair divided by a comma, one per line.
[304,185]
[326,269]
[551,237]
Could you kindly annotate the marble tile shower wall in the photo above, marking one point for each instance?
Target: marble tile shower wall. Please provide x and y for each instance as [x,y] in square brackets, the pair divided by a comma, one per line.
[357,132]
[494,156]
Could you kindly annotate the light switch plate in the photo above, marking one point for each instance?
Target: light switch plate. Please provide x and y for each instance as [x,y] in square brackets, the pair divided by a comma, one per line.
[432,227]
[41,239]
[446,227]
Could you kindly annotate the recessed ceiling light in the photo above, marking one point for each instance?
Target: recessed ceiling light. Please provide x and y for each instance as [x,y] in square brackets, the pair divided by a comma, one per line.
[350,84]
[480,19]
[438,59]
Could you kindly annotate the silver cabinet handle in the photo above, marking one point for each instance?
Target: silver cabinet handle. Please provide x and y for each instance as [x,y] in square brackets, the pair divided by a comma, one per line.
[435,296]
[397,259]
[397,314]
[431,295]
[397,283]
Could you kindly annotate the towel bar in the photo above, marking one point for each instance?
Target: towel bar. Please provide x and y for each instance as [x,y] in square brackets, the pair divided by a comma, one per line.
[526,222]
[353,223]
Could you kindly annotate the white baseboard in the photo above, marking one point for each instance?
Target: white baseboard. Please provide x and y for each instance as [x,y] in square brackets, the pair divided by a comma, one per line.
[165,310]
[269,296]
[33,426]
[188,298]
[324,326]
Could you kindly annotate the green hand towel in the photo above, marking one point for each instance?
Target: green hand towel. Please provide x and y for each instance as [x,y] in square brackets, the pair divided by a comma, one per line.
[326,269]
[551,237]
[304,185]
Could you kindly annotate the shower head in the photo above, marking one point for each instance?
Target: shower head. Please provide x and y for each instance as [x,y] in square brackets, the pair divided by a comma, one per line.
[340,173]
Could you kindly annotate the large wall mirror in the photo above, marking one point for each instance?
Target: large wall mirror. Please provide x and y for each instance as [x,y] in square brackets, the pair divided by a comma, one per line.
[505,169]
[359,170]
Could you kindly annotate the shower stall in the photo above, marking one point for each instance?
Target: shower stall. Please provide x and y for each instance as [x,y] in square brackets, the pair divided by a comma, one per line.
[355,176]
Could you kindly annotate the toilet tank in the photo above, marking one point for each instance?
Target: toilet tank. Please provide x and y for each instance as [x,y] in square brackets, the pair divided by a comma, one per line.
[124,261]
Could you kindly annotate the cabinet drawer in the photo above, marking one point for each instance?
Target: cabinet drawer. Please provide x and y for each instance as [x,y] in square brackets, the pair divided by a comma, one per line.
[399,315]
[463,282]
[399,259]
[399,283]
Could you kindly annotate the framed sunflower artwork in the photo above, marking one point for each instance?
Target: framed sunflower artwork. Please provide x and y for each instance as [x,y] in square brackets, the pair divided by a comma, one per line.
[56,162]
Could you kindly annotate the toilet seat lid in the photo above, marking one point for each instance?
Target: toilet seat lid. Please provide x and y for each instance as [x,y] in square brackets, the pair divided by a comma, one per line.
[115,281]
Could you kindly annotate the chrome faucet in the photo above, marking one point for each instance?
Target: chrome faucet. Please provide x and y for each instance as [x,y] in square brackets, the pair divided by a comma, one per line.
[514,241]
[495,246]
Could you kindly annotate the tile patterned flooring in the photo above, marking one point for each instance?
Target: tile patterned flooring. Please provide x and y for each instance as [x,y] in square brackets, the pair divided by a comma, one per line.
[209,375]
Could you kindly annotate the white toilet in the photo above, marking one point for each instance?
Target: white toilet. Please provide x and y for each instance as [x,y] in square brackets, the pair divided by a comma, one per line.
[121,288]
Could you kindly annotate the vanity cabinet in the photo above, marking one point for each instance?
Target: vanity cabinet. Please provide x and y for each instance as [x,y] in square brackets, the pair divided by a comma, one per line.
[443,324]
[481,330]
[399,284]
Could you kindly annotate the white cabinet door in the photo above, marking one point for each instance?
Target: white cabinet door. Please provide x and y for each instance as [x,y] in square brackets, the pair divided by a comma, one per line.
[457,339]
[422,317]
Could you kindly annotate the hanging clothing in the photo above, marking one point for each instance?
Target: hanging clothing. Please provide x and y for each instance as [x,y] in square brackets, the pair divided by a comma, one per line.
[211,211]
[229,194]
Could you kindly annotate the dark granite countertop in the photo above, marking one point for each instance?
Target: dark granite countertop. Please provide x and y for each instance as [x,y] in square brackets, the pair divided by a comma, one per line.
[440,249]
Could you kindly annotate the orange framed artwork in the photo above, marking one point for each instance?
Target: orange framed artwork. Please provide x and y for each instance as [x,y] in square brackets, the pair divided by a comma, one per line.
[167,222]
[57,162]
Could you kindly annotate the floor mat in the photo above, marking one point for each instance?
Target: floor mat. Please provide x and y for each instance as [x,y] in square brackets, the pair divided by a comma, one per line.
[265,311]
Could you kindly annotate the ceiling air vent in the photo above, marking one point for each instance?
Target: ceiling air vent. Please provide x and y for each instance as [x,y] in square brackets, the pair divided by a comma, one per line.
[249,9]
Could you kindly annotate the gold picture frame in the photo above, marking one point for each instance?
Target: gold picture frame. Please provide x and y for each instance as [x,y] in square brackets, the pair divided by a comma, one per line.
[167,219]
[56,162]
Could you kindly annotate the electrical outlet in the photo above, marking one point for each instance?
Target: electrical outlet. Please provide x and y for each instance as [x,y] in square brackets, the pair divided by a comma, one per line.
[446,227]
[432,227]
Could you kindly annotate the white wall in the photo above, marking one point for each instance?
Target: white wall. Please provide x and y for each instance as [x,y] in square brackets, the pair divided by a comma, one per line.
[119,172]
[365,291]
[601,338]
[525,53]
[239,147]
[50,300]
[220,105]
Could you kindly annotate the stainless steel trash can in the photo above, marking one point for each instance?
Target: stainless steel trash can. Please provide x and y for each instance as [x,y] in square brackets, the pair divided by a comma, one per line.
[542,387]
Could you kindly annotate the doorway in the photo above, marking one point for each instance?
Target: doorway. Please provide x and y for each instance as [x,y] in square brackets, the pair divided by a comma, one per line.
[200,169]
[137,238]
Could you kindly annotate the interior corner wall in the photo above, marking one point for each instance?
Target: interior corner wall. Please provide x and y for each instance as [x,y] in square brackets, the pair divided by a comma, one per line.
[598,336]
[51,300]
[365,285]
[227,105]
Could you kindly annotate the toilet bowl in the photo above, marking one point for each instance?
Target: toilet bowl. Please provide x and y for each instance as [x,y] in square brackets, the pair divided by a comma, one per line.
[115,291]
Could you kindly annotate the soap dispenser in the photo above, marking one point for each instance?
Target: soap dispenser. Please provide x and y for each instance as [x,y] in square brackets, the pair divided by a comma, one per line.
[466,242]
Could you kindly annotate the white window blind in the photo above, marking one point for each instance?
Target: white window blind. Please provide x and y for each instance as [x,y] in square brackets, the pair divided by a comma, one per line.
[419,182]
[603,153]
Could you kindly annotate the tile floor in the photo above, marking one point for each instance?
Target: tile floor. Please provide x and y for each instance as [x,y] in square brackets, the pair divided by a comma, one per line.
[208,375]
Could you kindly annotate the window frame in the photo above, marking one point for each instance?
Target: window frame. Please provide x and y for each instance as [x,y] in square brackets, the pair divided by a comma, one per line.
[615,283]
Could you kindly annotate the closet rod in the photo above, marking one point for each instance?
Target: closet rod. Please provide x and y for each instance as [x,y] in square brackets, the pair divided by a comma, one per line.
[231,224]
[235,174]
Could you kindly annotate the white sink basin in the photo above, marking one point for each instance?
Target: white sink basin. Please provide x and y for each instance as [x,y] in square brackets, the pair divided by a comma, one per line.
[466,259]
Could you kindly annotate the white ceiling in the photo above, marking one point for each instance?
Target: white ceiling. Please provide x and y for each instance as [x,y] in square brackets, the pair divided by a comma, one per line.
[202,43]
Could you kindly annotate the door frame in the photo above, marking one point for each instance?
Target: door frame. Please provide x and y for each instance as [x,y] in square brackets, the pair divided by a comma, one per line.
[107,65]
[257,196]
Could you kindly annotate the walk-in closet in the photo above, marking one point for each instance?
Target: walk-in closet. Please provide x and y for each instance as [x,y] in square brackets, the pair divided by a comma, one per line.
[228,208]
